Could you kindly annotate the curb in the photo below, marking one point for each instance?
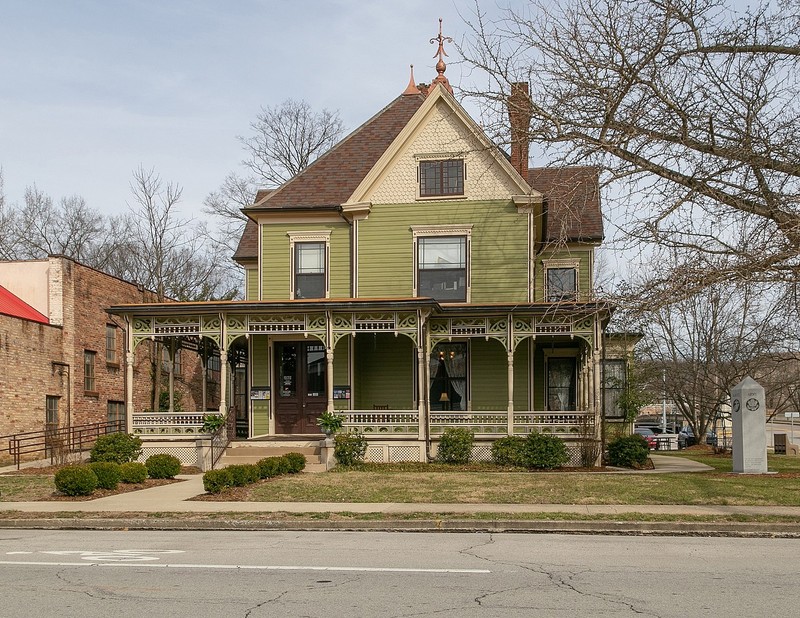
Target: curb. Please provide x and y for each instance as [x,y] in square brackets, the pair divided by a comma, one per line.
[763,530]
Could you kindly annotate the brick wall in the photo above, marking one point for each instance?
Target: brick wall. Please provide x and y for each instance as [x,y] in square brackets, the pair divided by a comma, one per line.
[27,352]
[77,299]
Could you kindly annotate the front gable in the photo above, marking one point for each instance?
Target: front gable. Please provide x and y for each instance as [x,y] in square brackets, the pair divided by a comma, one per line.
[441,129]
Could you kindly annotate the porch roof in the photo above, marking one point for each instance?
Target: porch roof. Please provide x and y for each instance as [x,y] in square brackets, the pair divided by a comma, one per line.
[559,309]
[268,306]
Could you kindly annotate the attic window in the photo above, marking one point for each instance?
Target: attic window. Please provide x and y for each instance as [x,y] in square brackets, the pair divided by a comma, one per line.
[441,177]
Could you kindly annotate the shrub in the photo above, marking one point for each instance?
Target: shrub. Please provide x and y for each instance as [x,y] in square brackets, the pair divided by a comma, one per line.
[163,466]
[295,462]
[217,481]
[243,474]
[509,451]
[116,447]
[269,467]
[349,448]
[455,446]
[76,481]
[107,473]
[628,451]
[132,472]
[545,452]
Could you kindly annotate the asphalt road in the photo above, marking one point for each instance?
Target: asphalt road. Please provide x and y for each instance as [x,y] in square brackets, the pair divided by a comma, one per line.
[198,574]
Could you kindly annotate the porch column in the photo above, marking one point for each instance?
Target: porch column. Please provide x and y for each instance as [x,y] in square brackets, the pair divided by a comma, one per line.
[223,366]
[598,419]
[129,359]
[510,428]
[421,390]
[171,375]
[329,360]
[204,383]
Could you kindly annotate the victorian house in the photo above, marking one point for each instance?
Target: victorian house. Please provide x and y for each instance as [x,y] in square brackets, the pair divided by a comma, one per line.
[414,278]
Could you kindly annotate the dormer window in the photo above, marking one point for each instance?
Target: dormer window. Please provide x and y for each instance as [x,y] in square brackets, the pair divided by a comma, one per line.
[441,177]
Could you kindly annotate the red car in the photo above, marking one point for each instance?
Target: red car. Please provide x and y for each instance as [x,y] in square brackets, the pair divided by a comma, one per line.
[648,434]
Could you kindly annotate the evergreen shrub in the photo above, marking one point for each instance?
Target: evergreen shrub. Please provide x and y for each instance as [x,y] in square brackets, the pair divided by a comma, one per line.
[349,448]
[107,473]
[116,447]
[132,472]
[163,466]
[509,451]
[296,462]
[628,451]
[76,480]
[217,481]
[269,467]
[455,446]
[545,452]
[243,474]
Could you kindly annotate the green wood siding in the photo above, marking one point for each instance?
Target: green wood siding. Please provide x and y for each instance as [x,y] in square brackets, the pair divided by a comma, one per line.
[275,258]
[489,375]
[259,362]
[521,376]
[341,367]
[384,366]
[251,278]
[499,253]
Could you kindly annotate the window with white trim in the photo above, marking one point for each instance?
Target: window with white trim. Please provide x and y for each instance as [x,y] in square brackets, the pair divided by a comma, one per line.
[441,262]
[562,383]
[309,259]
[561,280]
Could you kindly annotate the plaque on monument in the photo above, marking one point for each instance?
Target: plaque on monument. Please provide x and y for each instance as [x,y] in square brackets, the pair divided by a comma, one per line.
[749,427]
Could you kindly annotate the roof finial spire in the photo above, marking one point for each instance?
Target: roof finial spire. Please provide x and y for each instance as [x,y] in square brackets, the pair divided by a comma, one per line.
[412,87]
[441,66]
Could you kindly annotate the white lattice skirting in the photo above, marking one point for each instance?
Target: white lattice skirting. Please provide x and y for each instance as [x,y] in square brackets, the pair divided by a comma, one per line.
[394,453]
[186,454]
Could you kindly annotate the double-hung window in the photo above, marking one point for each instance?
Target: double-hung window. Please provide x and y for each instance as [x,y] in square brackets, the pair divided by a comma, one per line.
[309,270]
[442,262]
[111,344]
[310,257]
[441,177]
[88,370]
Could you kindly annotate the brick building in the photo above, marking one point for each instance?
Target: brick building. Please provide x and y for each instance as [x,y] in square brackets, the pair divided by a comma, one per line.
[63,355]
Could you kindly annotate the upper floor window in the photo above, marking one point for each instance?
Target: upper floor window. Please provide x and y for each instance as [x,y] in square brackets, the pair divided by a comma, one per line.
[441,178]
[111,343]
[561,279]
[442,267]
[310,255]
[441,261]
[88,370]
[309,270]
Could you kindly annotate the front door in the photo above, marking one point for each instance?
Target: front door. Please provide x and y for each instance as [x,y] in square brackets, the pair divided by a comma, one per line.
[300,384]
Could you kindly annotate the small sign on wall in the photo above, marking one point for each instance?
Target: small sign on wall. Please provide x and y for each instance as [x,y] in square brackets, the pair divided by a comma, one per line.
[259,392]
[341,392]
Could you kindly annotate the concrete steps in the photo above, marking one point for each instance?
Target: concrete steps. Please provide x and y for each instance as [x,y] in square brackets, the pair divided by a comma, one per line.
[251,452]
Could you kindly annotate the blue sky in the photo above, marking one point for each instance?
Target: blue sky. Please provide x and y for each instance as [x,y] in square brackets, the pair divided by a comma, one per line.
[91,89]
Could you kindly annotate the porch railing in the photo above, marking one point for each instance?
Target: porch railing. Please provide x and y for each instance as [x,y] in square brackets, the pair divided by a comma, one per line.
[187,424]
[383,422]
[57,443]
[495,423]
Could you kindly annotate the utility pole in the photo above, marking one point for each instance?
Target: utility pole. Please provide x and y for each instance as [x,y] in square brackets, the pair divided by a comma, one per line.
[664,402]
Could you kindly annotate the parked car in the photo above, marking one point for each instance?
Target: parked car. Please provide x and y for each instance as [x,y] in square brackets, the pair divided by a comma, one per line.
[648,434]
[686,438]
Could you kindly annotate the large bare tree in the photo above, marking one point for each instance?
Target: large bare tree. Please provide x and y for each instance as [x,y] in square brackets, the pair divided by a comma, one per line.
[285,139]
[692,109]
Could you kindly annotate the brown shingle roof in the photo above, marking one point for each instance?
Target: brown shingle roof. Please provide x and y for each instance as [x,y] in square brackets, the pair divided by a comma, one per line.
[332,178]
[572,199]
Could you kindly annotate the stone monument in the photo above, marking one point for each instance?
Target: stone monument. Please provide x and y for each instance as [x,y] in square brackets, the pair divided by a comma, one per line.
[749,427]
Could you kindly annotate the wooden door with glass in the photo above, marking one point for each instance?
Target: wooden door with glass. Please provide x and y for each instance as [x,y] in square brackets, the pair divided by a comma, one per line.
[300,380]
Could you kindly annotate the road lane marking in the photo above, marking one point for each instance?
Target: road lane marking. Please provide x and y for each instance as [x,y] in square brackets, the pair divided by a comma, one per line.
[117,555]
[252,567]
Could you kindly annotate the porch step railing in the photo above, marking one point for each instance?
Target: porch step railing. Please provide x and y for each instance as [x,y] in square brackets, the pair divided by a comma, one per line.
[57,443]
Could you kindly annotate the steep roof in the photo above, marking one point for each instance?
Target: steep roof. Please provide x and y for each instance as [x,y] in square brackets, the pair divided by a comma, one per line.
[13,305]
[572,202]
[332,178]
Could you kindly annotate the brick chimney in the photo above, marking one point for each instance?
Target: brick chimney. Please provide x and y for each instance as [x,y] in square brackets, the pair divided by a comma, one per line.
[519,115]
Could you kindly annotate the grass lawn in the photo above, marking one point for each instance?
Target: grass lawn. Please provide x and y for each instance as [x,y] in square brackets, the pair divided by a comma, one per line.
[421,483]
[25,488]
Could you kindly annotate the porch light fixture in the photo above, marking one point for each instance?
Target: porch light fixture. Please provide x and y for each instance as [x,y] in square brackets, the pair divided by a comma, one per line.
[444,398]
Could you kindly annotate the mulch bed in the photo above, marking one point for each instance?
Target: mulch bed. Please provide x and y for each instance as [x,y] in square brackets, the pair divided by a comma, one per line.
[122,488]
